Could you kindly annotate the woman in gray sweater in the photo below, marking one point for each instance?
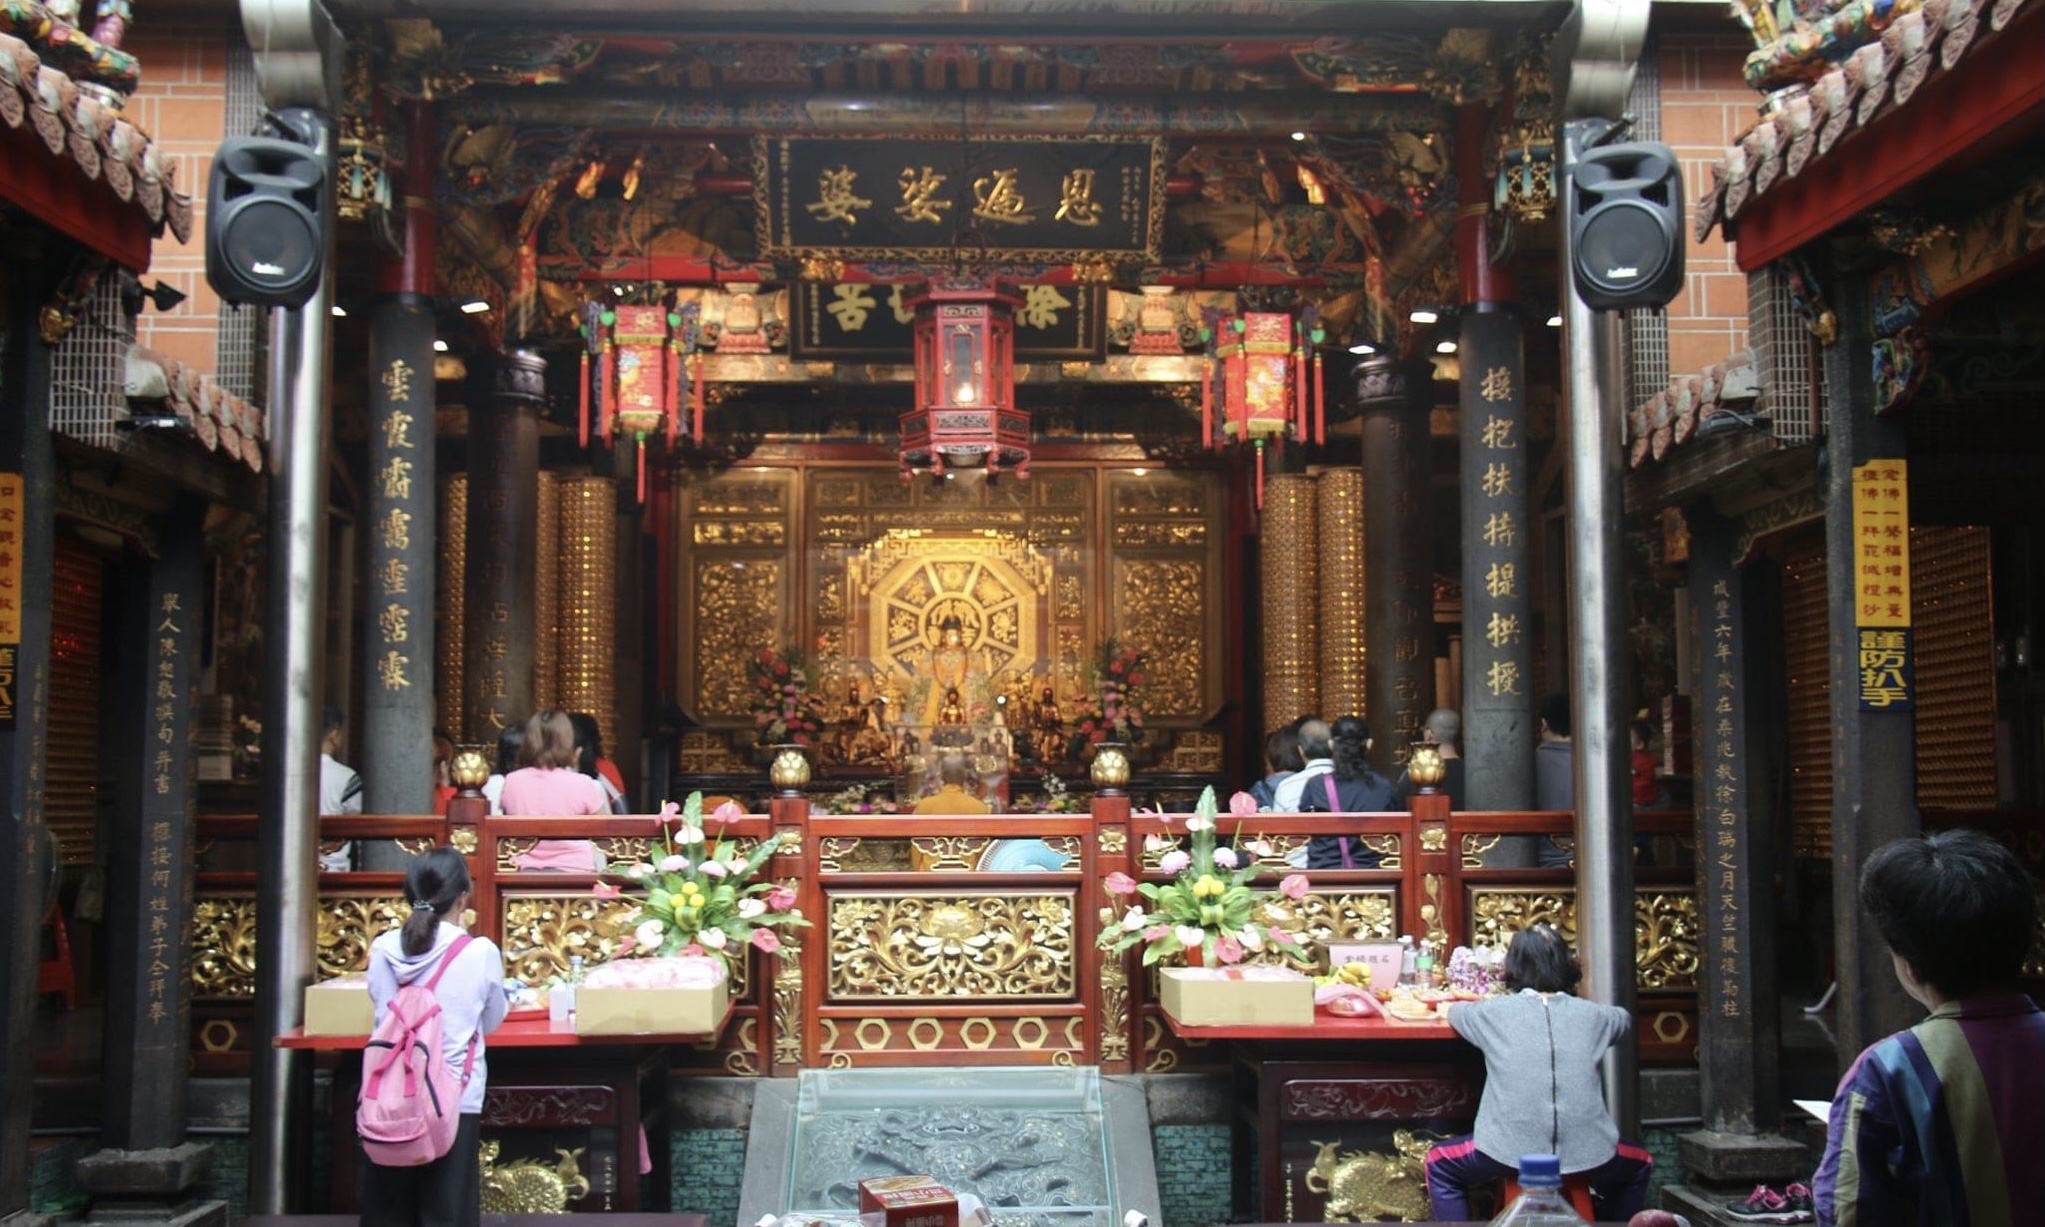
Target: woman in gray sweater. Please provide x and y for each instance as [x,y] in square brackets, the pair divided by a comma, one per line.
[1542,1093]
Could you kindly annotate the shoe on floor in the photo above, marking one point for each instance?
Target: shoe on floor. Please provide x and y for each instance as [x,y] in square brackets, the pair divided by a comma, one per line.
[1765,1205]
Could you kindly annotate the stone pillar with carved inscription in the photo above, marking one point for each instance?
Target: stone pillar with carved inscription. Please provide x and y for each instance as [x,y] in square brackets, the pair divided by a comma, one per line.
[1395,397]
[1498,648]
[27,500]
[398,656]
[504,461]
[1874,760]
[1739,1045]
[148,1167]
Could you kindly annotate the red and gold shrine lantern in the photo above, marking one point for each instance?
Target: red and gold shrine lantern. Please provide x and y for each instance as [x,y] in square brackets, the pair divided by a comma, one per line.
[1268,368]
[965,415]
[643,356]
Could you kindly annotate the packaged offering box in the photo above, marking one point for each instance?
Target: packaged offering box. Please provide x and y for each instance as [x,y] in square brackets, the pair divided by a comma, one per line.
[907,1201]
[1237,996]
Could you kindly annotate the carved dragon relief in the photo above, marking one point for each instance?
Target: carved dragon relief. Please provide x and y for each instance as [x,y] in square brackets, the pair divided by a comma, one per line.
[1366,1186]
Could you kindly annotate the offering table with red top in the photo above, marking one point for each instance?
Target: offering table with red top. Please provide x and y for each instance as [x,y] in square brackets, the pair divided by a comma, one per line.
[1332,1121]
[606,1089]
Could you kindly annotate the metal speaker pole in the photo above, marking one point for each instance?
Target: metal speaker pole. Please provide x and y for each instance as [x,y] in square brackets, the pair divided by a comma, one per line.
[287,901]
[1595,389]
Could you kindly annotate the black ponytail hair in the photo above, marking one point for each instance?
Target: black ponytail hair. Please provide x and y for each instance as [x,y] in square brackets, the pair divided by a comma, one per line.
[434,883]
[1348,743]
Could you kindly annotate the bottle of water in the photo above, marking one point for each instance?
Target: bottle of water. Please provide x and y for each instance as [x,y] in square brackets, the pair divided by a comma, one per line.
[1409,962]
[1540,1203]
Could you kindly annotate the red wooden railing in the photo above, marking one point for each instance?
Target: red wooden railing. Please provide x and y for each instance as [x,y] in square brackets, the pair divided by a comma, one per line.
[918,956]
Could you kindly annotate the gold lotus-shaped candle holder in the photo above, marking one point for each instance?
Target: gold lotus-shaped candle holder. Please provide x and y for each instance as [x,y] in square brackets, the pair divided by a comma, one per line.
[1425,768]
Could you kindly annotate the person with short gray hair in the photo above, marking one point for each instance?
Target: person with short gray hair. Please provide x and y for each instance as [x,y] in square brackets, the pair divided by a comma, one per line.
[1316,747]
[1443,730]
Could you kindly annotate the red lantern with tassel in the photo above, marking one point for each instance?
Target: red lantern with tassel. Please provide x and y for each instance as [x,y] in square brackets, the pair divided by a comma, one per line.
[1268,366]
[642,354]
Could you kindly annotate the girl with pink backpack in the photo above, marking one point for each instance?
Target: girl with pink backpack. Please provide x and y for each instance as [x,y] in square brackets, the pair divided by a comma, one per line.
[419,1121]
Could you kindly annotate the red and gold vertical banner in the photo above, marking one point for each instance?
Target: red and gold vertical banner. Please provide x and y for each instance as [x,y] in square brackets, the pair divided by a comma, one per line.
[1881,583]
[10,590]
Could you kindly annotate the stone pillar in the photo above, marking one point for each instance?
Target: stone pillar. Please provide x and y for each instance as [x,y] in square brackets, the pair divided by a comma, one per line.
[148,1168]
[451,584]
[1497,643]
[398,656]
[1738,1023]
[1874,764]
[27,496]
[504,464]
[1399,602]
[1288,567]
[1343,674]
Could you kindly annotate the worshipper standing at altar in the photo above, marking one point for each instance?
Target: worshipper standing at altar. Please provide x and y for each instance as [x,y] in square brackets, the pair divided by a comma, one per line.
[547,784]
[951,797]
[508,743]
[590,760]
[1444,731]
[1351,788]
[340,787]
[1318,760]
[1281,758]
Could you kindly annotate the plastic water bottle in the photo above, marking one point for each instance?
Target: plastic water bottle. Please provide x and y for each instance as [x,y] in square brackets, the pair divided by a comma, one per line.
[1409,962]
[1540,1203]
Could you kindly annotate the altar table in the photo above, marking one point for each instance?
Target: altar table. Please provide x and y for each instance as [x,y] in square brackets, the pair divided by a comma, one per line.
[603,1090]
[1303,1093]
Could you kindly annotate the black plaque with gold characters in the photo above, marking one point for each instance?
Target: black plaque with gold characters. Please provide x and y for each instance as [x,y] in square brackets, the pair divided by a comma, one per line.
[1018,199]
[872,322]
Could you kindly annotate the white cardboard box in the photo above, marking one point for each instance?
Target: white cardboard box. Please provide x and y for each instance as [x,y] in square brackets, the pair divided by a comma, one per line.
[1237,996]
[650,1011]
[339,1006]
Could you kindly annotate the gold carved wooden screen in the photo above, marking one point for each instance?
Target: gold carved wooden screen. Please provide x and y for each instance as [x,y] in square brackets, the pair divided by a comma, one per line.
[859,571]
[739,584]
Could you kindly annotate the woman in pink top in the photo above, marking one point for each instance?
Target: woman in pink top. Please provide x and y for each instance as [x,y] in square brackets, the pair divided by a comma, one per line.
[548,785]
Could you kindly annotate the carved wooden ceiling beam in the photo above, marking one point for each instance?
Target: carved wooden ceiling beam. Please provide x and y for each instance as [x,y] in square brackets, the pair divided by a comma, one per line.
[669,112]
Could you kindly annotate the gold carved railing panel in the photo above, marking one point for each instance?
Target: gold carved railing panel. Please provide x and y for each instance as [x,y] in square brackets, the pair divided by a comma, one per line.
[1666,926]
[347,924]
[224,948]
[889,946]
[542,932]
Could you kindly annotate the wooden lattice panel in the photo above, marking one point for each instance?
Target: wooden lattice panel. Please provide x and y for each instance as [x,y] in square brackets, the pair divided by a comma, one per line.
[1952,611]
[1806,638]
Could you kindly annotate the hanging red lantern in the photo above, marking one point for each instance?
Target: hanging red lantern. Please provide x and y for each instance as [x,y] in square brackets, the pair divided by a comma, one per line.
[965,414]
[1267,365]
[642,355]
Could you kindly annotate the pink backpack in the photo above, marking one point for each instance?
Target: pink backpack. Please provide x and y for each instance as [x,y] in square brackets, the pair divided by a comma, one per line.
[411,1103]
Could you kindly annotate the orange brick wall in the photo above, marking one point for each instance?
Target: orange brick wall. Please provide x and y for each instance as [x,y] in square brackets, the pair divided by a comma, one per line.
[182,104]
[1705,105]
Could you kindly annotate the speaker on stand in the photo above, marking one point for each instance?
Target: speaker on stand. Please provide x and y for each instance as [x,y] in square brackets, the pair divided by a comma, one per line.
[1625,218]
[266,218]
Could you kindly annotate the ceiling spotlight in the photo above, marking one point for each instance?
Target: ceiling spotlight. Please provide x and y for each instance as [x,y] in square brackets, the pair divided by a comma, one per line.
[1445,347]
[1363,347]
[1555,321]
[1141,472]
[1424,315]
[340,312]
[439,346]
[1299,136]
[475,306]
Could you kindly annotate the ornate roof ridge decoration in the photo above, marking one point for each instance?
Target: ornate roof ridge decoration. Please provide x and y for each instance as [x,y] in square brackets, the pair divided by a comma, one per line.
[219,419]
[1670,418]
[1806,121]
[67,49]
[90,133]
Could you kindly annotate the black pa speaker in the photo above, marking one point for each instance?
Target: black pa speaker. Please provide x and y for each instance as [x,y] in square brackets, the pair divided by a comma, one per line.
[1626,226]
[265,222]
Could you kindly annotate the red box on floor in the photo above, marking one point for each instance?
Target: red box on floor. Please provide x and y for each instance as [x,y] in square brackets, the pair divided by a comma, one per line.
[907,1201]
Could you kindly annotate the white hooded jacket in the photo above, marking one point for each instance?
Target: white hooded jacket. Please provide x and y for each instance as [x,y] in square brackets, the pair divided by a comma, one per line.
[471,996]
